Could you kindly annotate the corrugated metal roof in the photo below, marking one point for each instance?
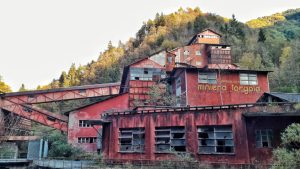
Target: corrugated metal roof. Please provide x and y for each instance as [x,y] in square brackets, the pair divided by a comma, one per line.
[291,97]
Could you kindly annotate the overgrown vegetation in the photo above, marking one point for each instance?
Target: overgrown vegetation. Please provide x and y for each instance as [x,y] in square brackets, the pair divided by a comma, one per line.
[160,95]
[57,142]
[288,155]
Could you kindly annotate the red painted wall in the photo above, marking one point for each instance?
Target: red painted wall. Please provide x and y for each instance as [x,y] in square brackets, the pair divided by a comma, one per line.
[198,94]
[264,155]
[92,112]
[191,120]
[192,58]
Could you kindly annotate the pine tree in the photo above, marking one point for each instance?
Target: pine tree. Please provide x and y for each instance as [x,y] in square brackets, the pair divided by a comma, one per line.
[63,80]
[261,36]
[109,46]
[22,88]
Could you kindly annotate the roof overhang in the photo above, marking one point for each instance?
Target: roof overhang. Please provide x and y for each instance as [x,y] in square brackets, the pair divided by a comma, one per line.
[97,122]
[271,114]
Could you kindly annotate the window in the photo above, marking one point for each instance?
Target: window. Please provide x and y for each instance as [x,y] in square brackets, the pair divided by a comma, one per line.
[169,139]
[145,74]
[264,138]
[215,140]
[132,139]
[186,52]
[87,139]
[198,53]
[84,123]
[178,91]
[210,78]
[169,59]
[248,79]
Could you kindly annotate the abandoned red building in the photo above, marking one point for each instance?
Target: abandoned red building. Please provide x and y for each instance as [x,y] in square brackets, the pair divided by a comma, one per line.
[232,134]
[215,117]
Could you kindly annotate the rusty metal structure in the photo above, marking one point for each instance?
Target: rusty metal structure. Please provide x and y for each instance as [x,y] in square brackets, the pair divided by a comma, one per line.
[19,107]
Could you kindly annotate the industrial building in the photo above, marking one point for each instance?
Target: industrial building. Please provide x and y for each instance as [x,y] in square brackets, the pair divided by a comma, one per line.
[221,113]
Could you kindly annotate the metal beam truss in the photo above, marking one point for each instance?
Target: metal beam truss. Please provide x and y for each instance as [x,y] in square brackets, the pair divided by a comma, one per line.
[22,104]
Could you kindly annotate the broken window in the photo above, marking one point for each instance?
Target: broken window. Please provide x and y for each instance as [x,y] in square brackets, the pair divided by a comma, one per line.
[87,139]
[132,139]
[264,138]
[248,79]
[146,74]
[169,139]
[84,123]
[210,78]
[215,140]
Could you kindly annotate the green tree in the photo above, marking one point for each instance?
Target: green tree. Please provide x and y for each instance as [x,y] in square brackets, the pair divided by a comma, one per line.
[109,46]
[288,155]
[72,75]
[261,36]
[59,147]
[251,61]
[64,80]
[200,24]
[22,88]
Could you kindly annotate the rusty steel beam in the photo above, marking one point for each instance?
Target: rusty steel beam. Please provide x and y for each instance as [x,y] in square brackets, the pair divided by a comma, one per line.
[41,116]
[20,102]
[60,94]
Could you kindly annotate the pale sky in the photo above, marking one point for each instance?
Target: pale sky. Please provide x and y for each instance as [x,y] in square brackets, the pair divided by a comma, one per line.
[41,38]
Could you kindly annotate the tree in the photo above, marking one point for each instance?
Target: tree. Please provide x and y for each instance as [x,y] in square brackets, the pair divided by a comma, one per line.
[59,147]
[4,88]
[200,24]
[63,80]
[261,36]
[109,46]
[22,88]
[251,61]
[72,75]
[288,156]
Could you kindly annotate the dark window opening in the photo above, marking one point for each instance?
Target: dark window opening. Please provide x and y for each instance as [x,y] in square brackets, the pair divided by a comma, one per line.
[264,138]
[132,139]
[215,139]
[169,139]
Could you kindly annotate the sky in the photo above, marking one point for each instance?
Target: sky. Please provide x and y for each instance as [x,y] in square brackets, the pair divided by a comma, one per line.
[41,38]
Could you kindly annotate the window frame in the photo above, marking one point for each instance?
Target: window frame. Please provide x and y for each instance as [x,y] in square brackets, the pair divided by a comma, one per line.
[87,140]
[145,74]
[134,145]
[259,141]
[83,124]
[207,77]
[247,79]
[212,143]
[171,138]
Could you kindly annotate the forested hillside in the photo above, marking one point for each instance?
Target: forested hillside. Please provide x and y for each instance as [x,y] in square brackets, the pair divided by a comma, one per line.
[271,42]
